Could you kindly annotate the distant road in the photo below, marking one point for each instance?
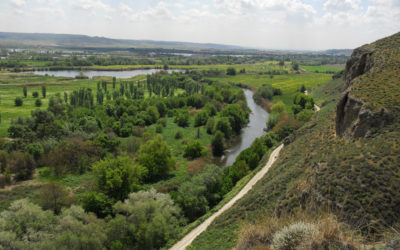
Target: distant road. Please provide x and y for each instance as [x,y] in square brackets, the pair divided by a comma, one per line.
[187,240]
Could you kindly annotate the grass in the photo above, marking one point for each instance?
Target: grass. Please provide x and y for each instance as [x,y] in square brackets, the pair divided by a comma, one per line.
[289,84]
[322,68]
[227,197]
[356,180]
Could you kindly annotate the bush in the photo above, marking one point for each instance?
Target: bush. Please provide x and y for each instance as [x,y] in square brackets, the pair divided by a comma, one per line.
[18,101]
[38,103]
[224,126]
[193,149]
[159,128]
[305,115]
[278,107]
[292,236]
[178,134]
[35,94]
[231,71]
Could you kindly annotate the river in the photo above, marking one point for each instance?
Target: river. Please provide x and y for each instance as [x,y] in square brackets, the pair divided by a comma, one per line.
[255,128]
[92,73]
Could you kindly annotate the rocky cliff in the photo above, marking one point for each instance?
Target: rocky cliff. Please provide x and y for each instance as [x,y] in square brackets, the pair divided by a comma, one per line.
[365,105]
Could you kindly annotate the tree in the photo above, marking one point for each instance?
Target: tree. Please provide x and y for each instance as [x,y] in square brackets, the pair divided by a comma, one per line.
[22,165]
[18,101]
[155,155]
[98,203]
[156,217]
[26,226]
[114,80]
[236,115]
[118,177]
[53,196]
[35,94]
[182,118]
[295,66]
[25,91]
[231,71]
[35,149]
[193,149]
[44,91]
[218,144]
[200,119]
[3,161]
[38,103]
[223,124]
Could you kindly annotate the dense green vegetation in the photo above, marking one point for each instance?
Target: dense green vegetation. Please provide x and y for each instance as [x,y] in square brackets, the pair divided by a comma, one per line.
[114,154]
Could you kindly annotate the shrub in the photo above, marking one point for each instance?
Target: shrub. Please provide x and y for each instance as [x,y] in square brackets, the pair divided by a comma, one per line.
[193,149]
[305,115]
[38,103]
[178,134]
[18,101]
[292,236]
[159,128]
[35,94]
[278,107]
[231,71]
[224,126]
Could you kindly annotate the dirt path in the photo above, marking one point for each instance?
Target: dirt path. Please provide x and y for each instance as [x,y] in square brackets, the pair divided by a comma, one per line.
[187,240]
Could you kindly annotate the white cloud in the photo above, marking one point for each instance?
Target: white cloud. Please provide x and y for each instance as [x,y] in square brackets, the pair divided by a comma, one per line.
[51,2]
[159,12]
[90,5]
[18,3]
[341,5]
[125,8]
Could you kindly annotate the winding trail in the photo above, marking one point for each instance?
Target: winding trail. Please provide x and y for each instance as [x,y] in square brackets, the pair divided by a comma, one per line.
[187,240]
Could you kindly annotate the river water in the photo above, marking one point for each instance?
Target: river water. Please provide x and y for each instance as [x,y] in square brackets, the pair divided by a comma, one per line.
[255,128]
[91,73]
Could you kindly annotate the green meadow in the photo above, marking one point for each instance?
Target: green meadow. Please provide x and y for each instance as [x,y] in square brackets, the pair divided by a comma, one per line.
[289,84]
[322,69]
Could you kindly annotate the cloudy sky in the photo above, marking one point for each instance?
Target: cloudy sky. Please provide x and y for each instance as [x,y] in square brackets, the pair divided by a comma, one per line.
[271,24]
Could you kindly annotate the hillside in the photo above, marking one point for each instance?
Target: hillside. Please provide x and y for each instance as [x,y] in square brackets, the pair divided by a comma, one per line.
[345,160]
[68,40]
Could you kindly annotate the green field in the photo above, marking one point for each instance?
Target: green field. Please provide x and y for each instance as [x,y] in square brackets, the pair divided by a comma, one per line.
[289,84]
[322,69]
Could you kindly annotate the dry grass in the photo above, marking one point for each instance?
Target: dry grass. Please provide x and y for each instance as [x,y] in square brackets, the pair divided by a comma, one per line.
[196,166]
[327,232]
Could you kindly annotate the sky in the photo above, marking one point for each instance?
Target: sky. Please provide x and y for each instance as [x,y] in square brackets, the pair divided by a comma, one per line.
[267,24]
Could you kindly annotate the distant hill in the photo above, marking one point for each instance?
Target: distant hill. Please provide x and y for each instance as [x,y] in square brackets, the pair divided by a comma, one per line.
[66,40]
[346,160]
